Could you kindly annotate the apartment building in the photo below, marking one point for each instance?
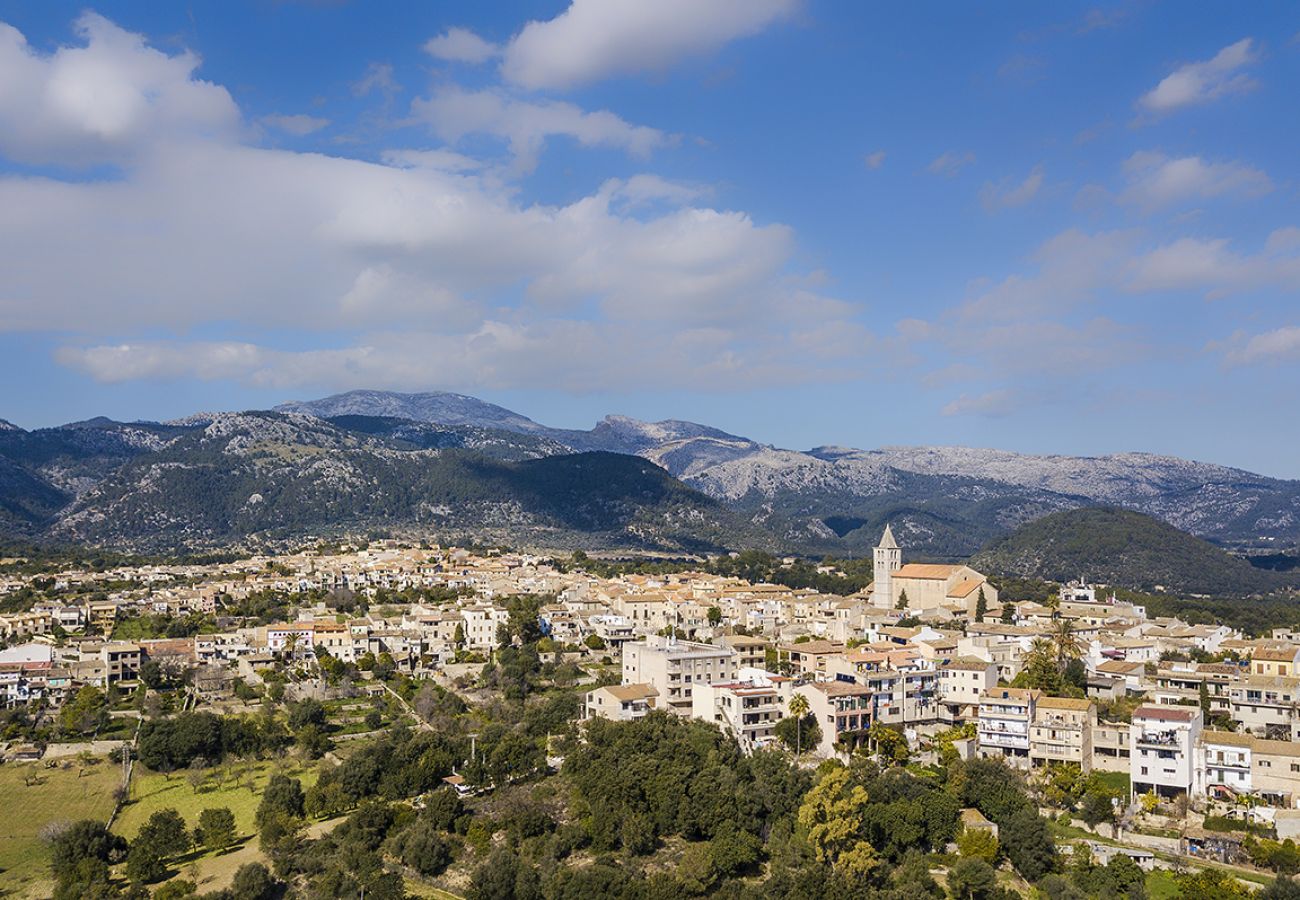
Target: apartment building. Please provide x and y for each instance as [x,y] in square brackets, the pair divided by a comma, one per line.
[751,652]
[1180,683]
[1110,746]
[1061,732]
[614,630]
[620,702]
[674,667]
[121,661]
[1223,764]
[1163,741]
[1275,772]
[961,684]
[1005,717]
[24,673]
[481,623]
[809,658]
[842,709]
[1267,705]
[746,708]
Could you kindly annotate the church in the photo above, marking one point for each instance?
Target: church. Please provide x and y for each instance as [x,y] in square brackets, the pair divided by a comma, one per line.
[926,586]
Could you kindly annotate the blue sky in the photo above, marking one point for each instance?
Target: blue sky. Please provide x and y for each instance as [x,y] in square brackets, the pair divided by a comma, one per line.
[1042,227]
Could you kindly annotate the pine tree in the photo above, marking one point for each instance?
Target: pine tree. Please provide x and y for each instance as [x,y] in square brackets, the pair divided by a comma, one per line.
[902,599]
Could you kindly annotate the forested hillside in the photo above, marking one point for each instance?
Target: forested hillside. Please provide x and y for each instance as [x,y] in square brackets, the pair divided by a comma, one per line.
[1126,548]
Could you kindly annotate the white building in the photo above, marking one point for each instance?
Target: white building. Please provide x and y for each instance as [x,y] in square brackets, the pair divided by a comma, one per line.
[747,708]
[1162,749]
[1005,715]
[1223,763]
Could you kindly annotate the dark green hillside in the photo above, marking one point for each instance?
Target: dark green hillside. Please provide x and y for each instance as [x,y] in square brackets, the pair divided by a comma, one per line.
[1121,547]
[26,500]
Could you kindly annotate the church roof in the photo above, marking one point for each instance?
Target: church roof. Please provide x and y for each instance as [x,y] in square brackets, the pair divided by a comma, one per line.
[927,571]
[887,541]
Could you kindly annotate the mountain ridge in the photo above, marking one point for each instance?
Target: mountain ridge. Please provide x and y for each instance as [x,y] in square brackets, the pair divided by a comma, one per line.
[943,502]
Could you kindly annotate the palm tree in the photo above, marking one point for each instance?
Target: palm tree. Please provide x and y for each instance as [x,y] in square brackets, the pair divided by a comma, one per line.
[1067,643]
[798,709]
[1040,653]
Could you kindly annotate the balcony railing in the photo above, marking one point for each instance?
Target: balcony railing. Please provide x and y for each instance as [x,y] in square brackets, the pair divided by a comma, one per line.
[1004,740]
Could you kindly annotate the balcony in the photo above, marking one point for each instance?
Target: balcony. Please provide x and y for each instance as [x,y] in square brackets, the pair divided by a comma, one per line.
[1004,740]
[1158,739]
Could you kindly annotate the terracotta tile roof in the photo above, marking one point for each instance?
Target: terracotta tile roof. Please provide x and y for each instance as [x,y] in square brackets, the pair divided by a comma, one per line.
[926,571]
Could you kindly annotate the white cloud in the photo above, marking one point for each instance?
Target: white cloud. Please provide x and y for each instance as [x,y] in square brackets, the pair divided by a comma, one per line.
[497,355]
[1200,82]
[298,124]
[453,113]
[422,270]
[643,189]
[378,78]
[596,39]
[874,160]
[102,102]
[460,45]
[1006,195]
[1210,265]
[950,163]
[444,160]
[1156,180]
[1276,346]
[1071,267]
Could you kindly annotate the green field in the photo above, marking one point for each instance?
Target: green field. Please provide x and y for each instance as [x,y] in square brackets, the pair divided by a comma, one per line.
[61,795]
[152,791]
[1114,781]
[1161,885]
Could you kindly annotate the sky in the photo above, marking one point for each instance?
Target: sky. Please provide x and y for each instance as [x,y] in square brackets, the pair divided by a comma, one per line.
[1051,228]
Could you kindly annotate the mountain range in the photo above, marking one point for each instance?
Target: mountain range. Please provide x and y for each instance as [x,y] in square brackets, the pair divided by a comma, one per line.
[942,501]
[387,462]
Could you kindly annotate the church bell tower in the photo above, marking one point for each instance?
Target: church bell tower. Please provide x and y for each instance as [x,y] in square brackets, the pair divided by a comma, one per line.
[887,560]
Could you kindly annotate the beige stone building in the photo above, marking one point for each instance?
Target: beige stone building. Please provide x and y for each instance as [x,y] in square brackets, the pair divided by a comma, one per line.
[620,702]
[1110,746]
[1061,732]
[1267,705]
[1277,660]
[843,711]
[927,586]
[674,667]
[962,682]
[1275,772]
[751,652]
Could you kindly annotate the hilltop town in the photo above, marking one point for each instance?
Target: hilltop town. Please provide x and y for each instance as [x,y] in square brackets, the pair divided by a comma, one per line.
[1167,743]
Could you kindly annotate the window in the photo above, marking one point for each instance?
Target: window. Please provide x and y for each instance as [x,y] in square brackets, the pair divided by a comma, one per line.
[1144,770]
